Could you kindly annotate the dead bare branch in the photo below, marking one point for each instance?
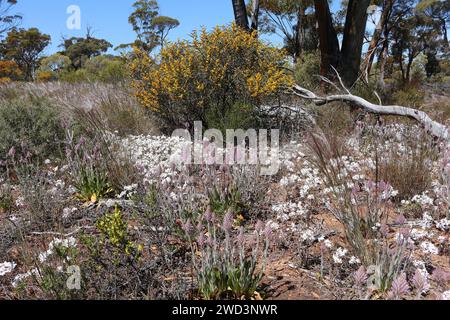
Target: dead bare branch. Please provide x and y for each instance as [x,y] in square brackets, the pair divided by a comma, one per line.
[436,129]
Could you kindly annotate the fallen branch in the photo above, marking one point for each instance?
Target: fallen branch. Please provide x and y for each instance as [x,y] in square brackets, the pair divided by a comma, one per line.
[436,129]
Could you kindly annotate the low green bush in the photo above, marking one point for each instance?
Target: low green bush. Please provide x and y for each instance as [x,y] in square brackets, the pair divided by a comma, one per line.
[33,122]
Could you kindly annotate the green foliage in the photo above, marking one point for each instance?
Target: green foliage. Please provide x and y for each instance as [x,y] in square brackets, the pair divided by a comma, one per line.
[54,65]
[25,47]
[410,97]
[8,20]
[151,29]
[163,25]
[33,122]
[223,268]
[6,199]
[222,202]
[89,171]
[92,185]
[80,50]
[106,69]
[307,70]
[293,20]
[239,116]
[229,281]
[103,68]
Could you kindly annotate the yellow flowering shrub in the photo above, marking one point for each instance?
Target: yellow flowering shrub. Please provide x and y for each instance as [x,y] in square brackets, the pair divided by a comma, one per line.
[214,70]
[114,227]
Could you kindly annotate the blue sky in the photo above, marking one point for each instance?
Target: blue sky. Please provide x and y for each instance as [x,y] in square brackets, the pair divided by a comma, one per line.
[109,18]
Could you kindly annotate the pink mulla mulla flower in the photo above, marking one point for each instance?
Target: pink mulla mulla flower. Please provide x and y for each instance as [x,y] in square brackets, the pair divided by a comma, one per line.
[210,241]
[401,220]
[208,215]
[68,153]
[405,232]
[158,171]
[355,191]
[370,185]
[382,186]
[228,221]
[240,237]
[360,277]
[199,224]
[268,232]
[420,282]
[96,152]
[441,276]
[81,142]
[259,227]
[400,288]
[384,230]
[12,152]
[187,227]
[201,240]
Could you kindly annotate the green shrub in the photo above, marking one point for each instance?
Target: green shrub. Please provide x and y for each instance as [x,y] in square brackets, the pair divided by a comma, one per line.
[222,264]
[90,173]
[239,116]
[34,123]
[114,228]
[80,75]
[106,69]
[409,97]
[307,70]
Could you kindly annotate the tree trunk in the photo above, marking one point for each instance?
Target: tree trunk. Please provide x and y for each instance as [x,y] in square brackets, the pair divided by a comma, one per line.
[328,40]
[255,15]
[409,66]
[382,62]
[355,28]
[388,4]
[444,33]
[240,14]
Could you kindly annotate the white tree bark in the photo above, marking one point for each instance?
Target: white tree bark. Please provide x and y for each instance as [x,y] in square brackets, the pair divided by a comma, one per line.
[436,129]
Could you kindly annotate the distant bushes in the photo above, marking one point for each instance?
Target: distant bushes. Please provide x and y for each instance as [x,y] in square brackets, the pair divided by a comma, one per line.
[106,69]
[35,123]
[214,70]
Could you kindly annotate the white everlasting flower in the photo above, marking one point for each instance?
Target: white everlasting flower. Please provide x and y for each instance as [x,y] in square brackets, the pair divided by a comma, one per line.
[443,225]
[21,277]
[7,267]
[339,254]
[419,234]
[308,235]
[273,225]
[354,260]
[20,202]
[446,295]
[328,244]
[65,243]
[423,200]
[429,248]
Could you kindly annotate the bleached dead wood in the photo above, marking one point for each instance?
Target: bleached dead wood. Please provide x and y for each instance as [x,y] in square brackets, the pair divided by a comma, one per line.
[436,129]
